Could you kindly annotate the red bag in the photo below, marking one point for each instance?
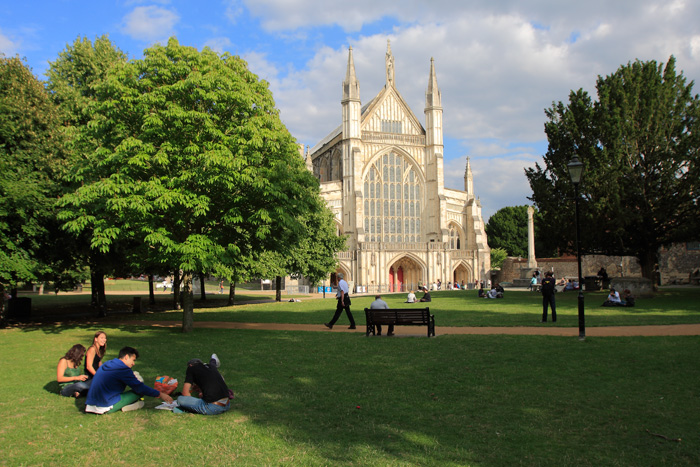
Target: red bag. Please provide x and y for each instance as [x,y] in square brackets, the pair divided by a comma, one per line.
[165,384]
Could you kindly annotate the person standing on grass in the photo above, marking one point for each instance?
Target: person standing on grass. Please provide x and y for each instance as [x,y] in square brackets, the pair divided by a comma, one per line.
[548,291]
[206,379]
[343,296]
[70,377]
[379,304]
[106,394]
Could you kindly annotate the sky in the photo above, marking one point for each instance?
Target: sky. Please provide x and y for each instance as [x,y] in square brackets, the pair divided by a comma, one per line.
[499,63]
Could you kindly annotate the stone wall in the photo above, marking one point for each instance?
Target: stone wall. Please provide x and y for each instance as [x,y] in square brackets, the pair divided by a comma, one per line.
[677,265]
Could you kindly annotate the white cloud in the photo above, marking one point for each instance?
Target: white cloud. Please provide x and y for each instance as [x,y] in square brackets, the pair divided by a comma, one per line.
[8,47]
[499,64]
[218,44]
[150,23]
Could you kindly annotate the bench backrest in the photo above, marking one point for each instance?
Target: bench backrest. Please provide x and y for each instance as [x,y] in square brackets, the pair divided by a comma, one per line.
[398,315]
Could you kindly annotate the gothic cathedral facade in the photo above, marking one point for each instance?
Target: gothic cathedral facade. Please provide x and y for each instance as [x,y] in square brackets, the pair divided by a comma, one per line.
[381,173]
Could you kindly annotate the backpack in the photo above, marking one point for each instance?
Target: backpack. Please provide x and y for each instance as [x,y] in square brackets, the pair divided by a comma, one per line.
[548,285]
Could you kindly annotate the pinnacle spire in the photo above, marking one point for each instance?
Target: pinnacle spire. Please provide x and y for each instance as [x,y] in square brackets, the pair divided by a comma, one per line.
[389,65]
[432,96]
[351,87]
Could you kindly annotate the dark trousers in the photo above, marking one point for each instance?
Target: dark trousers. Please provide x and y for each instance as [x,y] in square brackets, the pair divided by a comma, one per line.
[338,310]
[389,332]
[548,299]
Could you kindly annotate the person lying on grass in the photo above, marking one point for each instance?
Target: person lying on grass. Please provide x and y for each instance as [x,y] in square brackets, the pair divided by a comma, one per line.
[106,394]
[69,375]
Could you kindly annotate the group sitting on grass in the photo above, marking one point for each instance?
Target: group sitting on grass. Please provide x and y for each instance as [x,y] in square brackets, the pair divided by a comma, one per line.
[106,393]
[615,300]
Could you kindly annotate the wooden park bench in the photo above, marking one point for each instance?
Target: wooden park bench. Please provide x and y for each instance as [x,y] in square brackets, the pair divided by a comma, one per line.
[400,317]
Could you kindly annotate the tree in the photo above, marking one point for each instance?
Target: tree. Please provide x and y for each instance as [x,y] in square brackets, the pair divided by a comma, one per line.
[73,80]
[194,162]
[639,146]
[507,229]
[498,256]
[31,159]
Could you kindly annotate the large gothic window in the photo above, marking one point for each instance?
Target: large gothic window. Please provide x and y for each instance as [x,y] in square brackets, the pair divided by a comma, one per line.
[393,201]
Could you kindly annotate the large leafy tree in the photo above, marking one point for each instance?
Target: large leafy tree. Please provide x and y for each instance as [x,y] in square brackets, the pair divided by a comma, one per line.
[507,229]
[73,80]
[639,144]
[31,160]
[194,162]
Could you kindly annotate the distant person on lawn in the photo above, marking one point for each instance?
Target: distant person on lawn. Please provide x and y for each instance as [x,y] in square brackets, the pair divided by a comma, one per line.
[548,291]
[106,394]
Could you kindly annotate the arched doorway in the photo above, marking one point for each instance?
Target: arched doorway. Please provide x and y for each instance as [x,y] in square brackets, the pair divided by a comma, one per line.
[461,276]
[404,275]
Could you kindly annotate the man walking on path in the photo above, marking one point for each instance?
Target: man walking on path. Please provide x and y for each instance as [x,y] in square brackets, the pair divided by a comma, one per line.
[343,303]
[548,290]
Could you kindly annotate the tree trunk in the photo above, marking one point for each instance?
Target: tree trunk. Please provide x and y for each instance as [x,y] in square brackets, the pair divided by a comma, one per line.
[151,291]
[99,300]
[648,261]
[93,288]
[176,290]
[278,289]
[201,285]
[232,293]
[188,303]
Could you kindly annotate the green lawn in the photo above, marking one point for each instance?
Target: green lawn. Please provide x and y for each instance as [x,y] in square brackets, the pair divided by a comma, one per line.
[320,398]
[458,308]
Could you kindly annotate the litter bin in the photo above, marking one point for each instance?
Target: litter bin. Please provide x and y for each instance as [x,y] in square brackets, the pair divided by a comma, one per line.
[137,305]
[591,283]
[19,309]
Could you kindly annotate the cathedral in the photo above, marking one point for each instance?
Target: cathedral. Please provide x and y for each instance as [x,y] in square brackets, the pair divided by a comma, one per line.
[381,173]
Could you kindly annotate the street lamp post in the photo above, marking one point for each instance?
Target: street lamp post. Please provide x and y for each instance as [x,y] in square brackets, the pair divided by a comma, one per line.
[575,171]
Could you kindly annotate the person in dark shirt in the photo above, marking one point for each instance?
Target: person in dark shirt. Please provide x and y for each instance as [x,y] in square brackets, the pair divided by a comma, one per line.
[548,290]
[426,296]
[215,395]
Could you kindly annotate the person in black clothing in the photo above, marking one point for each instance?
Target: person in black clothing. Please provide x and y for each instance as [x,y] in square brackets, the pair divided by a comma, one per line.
[548,290]
[205,378]
[426,296]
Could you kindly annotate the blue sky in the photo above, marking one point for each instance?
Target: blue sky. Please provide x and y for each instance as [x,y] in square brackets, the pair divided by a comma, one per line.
[499,63]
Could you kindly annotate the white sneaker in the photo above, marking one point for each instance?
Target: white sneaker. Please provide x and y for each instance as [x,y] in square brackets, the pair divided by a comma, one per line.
[135,406]
[217,362]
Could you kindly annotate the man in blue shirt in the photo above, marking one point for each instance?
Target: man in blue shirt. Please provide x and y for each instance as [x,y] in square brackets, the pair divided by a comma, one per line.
[106,394]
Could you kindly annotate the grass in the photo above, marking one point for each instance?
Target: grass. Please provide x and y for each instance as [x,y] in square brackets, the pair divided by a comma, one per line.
[319,398]
[455,308]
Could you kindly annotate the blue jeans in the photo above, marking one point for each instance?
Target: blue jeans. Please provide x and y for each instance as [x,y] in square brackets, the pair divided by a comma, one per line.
[197,405]
[79,386]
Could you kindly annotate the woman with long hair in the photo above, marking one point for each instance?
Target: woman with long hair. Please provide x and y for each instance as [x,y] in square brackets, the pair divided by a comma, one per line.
[95,353]
[69,375]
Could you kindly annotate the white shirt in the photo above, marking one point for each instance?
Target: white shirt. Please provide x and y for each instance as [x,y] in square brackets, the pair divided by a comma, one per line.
[614,297]
[379,304]
[411,298]
[342,285]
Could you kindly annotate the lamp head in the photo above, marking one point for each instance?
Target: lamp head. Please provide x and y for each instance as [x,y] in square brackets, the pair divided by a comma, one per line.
[575,170]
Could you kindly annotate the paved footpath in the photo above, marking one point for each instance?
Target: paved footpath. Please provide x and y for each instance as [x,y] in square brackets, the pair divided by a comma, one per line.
[543,329]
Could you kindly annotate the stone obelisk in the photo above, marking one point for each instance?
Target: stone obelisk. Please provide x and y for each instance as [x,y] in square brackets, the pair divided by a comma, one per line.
[531,259]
